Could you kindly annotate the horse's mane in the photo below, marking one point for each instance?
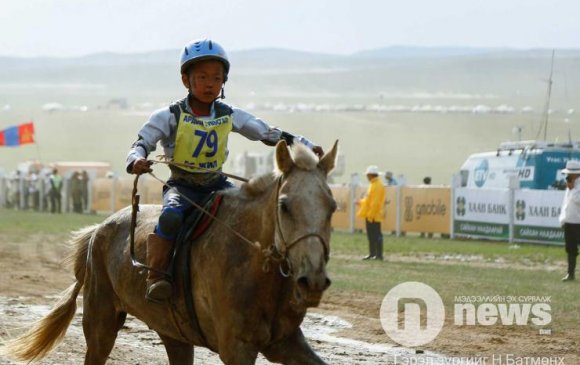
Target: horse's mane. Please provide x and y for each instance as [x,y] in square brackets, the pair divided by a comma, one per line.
[303,158]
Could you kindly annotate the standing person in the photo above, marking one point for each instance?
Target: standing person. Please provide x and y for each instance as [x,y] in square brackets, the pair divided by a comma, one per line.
[45,187]
[390,179]
[55,191]
[85,190]
[33,189]
[570,216]
[76,192]
[371,210]
[193,132]
[17,188]
[427,182]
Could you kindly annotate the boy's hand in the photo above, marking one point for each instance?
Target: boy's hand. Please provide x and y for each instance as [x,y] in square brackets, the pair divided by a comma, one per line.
[318,151]
[141,166]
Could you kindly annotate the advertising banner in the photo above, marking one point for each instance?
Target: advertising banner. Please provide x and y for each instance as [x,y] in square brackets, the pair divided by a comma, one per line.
[151,191]
[536,216]
[359,193]
[425,209]
[102,195]
[341,217]
[390,221]
[482,212]
[123,191]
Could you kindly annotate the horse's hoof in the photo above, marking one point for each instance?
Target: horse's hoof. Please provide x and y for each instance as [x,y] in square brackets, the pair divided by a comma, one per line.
[159,291]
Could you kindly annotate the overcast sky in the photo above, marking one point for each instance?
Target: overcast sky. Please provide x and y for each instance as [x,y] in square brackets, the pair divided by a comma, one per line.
[79,27]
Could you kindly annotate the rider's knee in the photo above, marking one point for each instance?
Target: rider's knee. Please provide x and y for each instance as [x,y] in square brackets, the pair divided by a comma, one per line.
[169,224]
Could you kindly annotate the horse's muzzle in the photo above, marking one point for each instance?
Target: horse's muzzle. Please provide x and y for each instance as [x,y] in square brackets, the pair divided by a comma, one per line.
[315,283]
[309,288]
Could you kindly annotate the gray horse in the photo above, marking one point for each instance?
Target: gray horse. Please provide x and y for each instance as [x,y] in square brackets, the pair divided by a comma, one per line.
[249,298]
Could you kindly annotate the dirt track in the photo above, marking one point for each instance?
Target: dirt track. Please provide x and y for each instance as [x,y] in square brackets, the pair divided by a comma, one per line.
[344,330]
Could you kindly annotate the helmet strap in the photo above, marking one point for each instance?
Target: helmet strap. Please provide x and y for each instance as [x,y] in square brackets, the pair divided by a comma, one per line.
[223,95]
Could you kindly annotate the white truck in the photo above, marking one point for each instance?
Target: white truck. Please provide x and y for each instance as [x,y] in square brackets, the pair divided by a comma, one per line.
[537,165]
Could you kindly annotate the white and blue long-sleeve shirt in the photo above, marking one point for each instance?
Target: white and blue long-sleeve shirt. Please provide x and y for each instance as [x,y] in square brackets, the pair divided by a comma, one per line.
[162,127]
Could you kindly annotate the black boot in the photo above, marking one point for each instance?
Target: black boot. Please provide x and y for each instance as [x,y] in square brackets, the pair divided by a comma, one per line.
[571,268]
[371,248]
[379,248]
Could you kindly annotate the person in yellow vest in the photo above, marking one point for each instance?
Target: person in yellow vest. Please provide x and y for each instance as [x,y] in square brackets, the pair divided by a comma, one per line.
[371,209]
[194,132]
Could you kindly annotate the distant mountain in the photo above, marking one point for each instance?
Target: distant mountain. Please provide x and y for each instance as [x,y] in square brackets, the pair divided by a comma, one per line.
[96,59]
[282,72]
[414,52]
[447,52]
[277,56]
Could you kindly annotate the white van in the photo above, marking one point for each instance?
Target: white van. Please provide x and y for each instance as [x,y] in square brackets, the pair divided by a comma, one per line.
[537,164]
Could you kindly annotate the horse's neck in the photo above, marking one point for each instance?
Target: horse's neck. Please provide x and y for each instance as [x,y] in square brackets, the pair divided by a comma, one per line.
[255,218]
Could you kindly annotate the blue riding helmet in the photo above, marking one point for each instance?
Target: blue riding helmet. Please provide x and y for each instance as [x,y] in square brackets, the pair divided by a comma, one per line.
[204,49]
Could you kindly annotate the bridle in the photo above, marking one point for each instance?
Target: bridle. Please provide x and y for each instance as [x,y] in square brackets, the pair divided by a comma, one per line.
[285,247]
[272,253]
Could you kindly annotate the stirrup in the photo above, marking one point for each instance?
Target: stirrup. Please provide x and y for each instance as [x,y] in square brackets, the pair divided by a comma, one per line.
[159,291]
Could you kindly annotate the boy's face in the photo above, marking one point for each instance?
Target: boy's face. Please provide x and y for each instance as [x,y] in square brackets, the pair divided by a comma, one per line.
[205,80]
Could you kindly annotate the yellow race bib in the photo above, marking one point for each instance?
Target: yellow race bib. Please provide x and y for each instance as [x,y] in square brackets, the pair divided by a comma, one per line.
[202,143]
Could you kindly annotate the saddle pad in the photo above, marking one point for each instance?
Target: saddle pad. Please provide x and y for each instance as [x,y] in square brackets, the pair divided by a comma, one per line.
[206,220]
[197,222]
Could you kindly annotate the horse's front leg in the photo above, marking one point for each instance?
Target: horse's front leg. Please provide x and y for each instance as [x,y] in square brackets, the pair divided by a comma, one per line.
[179,353]
[293,350]
[237,352]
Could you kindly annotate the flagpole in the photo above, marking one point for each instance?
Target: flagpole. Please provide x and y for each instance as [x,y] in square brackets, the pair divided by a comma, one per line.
[38,156]
[38,152]
[41,178]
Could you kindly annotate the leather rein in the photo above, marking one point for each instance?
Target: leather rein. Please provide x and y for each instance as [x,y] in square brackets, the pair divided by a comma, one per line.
[272,253]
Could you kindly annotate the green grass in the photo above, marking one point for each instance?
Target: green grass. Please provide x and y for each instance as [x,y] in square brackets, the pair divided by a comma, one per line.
[21,223]
[356,244]
[456,278]
[350,274]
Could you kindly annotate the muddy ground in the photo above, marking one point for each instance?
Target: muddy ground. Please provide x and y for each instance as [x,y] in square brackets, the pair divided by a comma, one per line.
[345,329]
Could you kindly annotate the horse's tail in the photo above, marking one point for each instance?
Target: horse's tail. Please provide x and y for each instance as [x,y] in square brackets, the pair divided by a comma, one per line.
[49,331]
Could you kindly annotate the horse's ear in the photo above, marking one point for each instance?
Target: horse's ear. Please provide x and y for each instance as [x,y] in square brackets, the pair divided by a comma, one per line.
[328,161]
[283,157]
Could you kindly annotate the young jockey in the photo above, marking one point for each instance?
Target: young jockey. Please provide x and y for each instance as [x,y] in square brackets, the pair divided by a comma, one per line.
[194,131]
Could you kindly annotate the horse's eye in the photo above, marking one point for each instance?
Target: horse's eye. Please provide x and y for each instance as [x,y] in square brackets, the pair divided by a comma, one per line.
[332,209]
[283,204]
